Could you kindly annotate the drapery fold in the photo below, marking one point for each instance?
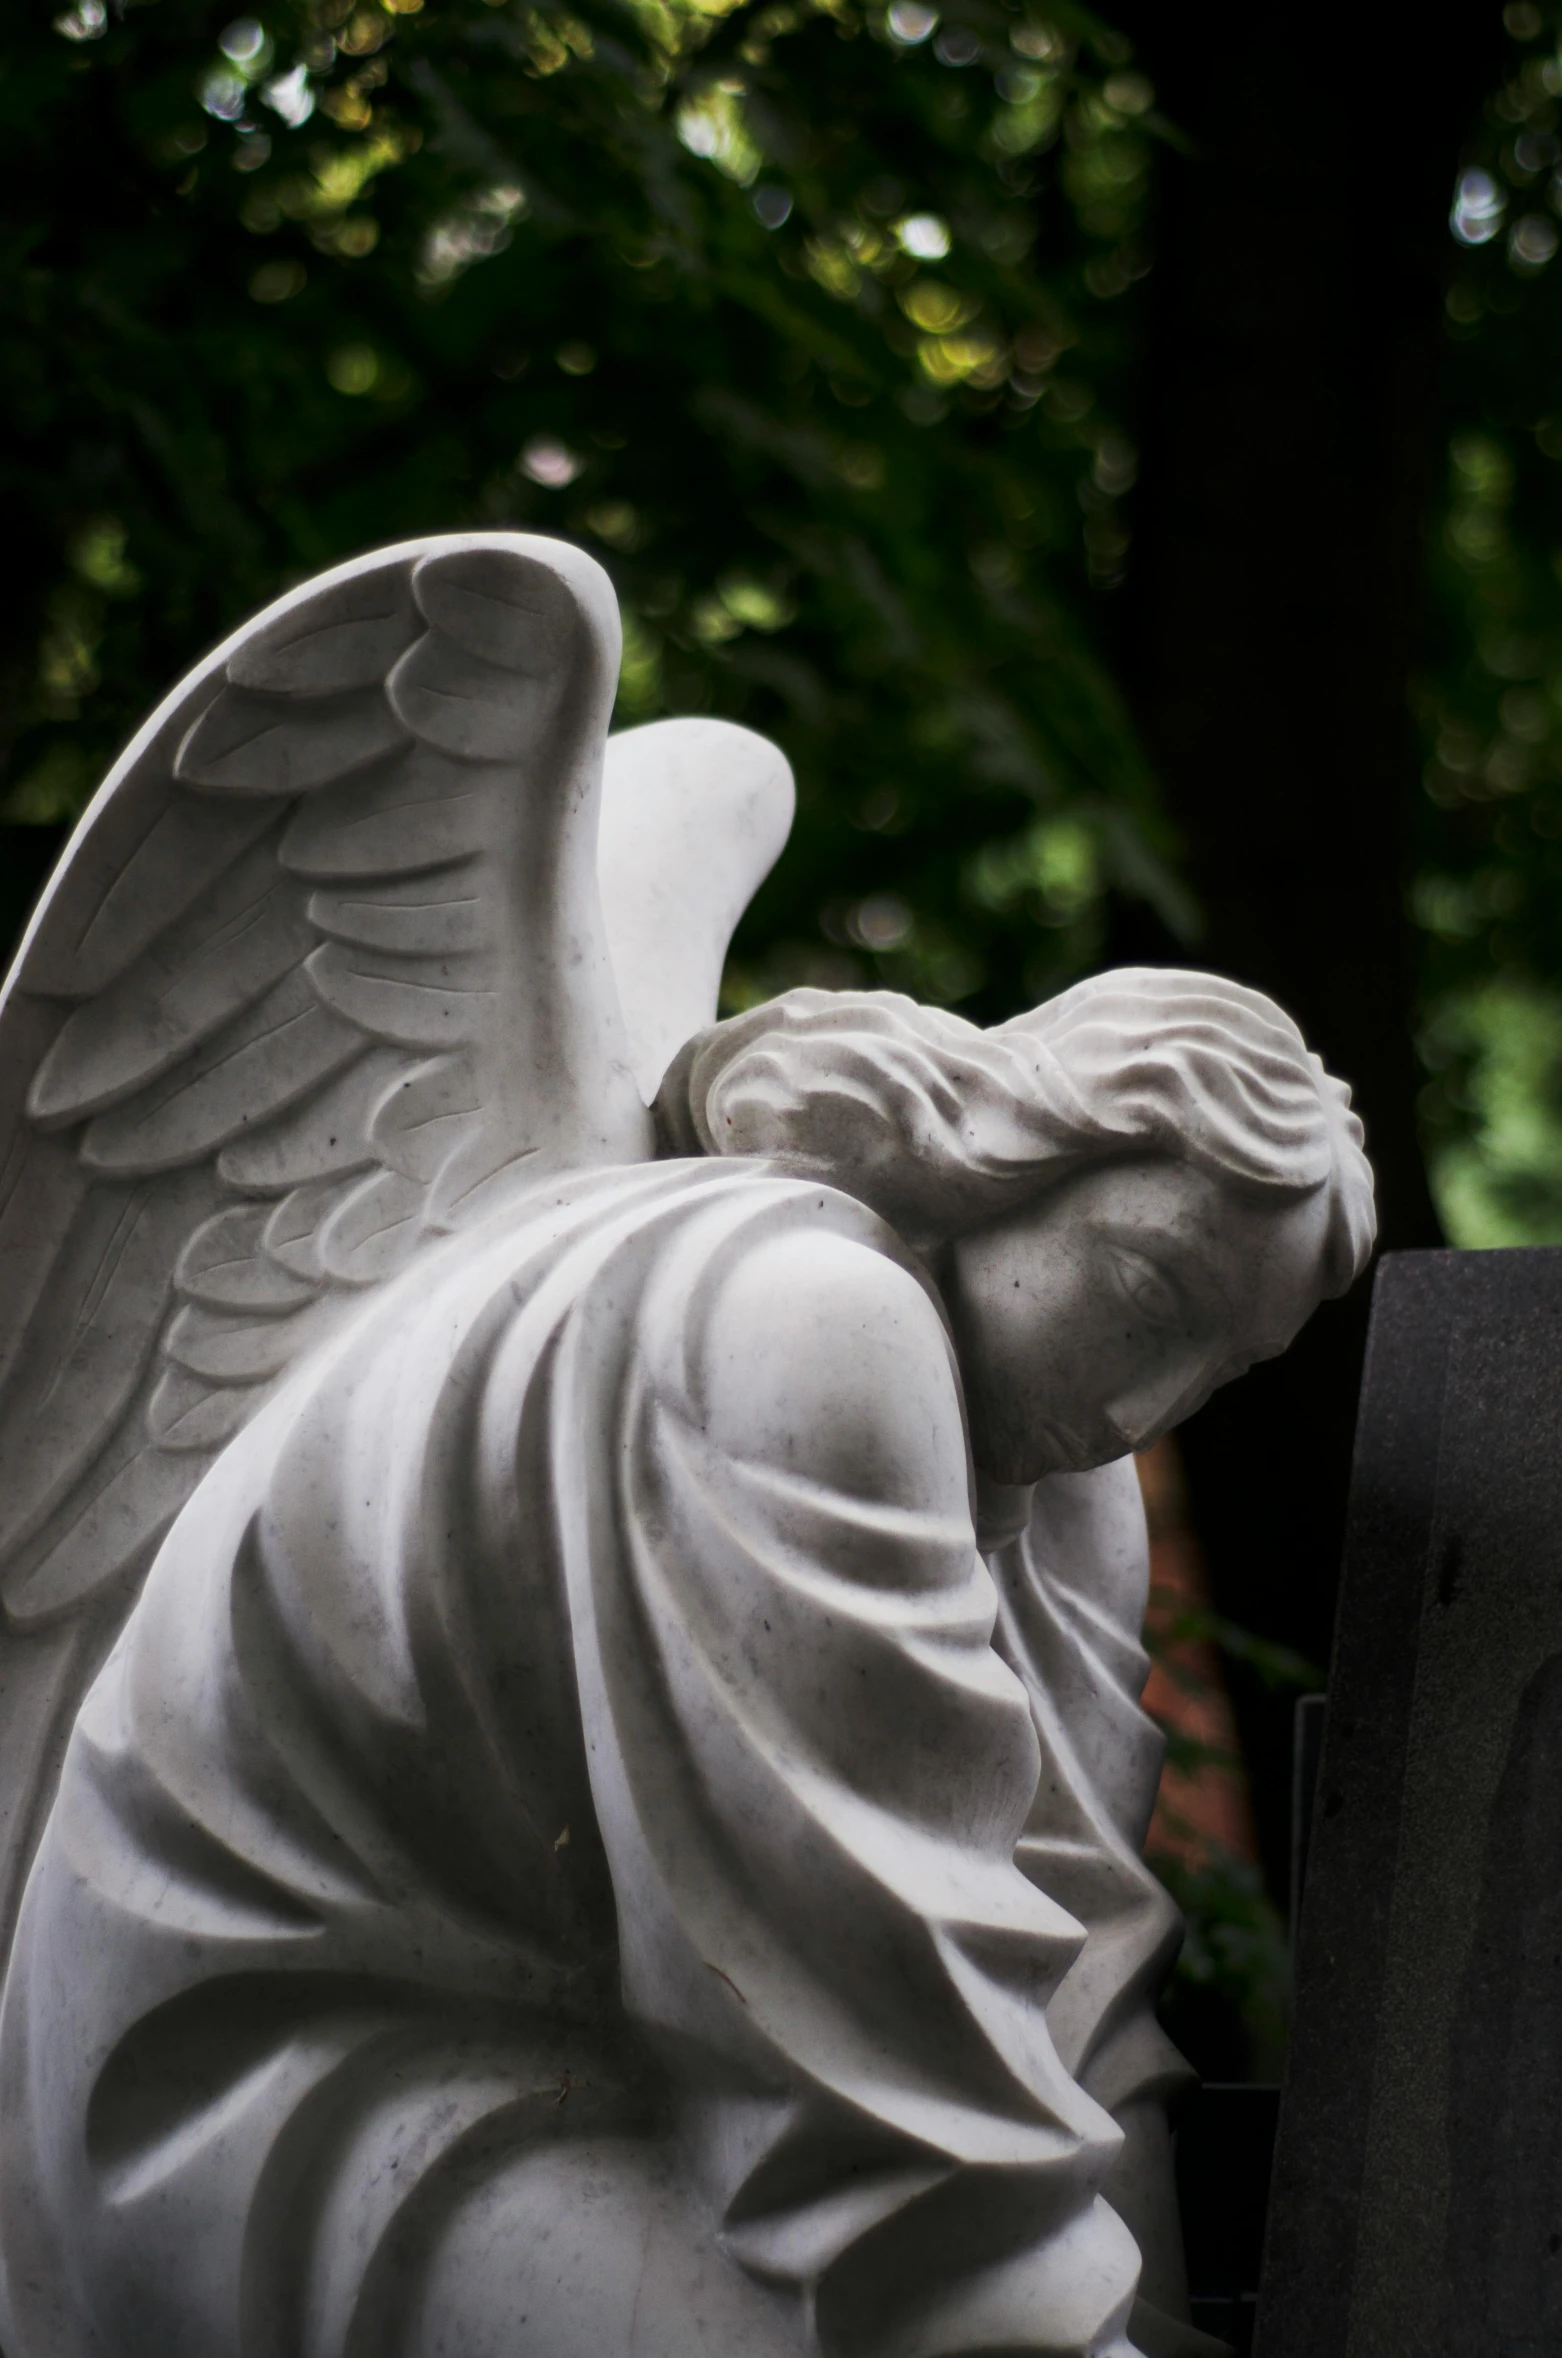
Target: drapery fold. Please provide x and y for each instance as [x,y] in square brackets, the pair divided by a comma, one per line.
[508,1748]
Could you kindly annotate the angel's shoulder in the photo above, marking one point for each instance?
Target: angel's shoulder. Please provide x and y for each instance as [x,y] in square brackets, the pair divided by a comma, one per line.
[825,1354]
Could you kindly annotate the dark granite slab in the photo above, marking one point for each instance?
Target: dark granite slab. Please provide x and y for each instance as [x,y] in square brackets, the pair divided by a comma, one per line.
[1417,2194]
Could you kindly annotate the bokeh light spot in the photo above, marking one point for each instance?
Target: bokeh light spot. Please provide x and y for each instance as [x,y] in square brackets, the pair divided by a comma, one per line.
[881,922]
[1478,208]
[910,22]
[1129,94]
[1532,242]
[957,47]
[290,96]
[550,462]
[354,368]
[924,235]
[87,21]
[243,40]
[1041,41]
[222,93]
[274,282]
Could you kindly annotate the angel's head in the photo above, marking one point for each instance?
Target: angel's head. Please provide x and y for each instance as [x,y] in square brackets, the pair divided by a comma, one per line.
[1126,1197]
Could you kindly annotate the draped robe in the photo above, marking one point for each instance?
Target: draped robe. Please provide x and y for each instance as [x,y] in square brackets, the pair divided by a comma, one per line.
[565,1734]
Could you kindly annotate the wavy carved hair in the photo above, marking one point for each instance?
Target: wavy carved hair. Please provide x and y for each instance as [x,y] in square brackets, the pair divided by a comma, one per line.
[941,1126]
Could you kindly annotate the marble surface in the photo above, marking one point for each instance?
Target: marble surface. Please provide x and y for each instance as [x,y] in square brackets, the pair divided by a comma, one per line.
[569,1734]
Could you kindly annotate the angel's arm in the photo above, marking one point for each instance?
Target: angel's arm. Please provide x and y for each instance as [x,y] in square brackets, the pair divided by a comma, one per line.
[852,1738]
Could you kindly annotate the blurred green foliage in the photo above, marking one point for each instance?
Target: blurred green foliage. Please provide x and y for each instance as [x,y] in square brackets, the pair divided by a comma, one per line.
[814,322]
[1497,1160]
[1228,2002]
[1488,895]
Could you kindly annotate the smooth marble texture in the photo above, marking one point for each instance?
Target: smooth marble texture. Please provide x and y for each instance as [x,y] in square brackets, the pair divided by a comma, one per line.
[694,813]
[569,1741]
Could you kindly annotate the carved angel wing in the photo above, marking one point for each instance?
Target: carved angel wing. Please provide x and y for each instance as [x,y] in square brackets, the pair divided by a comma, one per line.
[322,969]
[694,815]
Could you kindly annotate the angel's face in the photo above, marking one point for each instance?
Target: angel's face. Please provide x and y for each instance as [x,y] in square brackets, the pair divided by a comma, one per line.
[1102,1314]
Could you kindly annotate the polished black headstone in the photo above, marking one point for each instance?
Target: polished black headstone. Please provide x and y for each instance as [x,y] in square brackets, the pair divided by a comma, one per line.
[1416,2209]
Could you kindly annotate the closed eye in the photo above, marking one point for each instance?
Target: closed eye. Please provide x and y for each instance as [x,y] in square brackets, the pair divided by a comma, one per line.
[1151,1293]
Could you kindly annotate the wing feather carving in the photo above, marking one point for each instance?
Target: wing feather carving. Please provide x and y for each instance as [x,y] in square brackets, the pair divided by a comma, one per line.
[185,1413]
[43,1187]
[408,814]
[326,1136]
[321,975]
[211,964]
[419,916]
[278,1050]
[330,650]
[83,1560]
[374,1230]
[432,1002]
[424,1115]
[273,990]
[83,1355]
[292,1233]
[225,1265]
[263,745]
[193,843]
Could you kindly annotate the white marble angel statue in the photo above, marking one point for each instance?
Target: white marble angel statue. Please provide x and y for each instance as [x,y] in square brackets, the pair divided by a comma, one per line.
[569,1743]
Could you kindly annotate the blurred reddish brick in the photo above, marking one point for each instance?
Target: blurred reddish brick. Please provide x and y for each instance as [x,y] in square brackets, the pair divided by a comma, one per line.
[1205,1808]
